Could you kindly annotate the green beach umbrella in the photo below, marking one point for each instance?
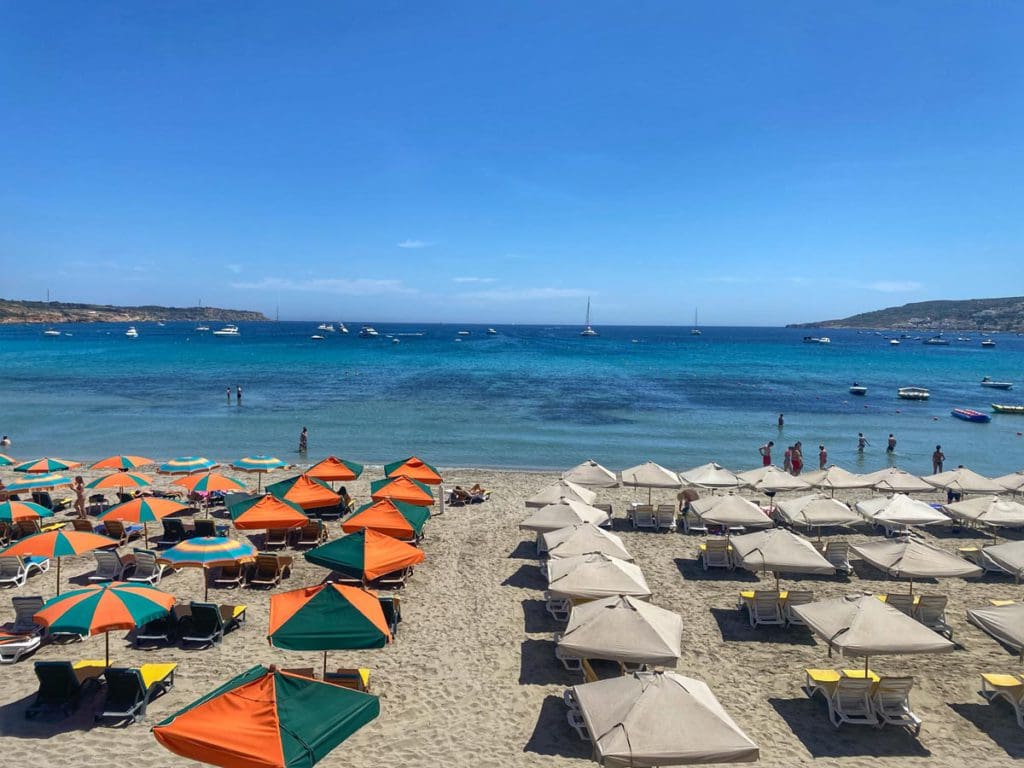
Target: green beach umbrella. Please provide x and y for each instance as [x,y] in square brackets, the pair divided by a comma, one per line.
[259,465]
[45,465]
[51,480]
[267,718]
[327,617]
[365,555]
[15,511]
[415,468]
[332,468]
[186,465]
[394,518]
[266,512]
[402,488]
[59,544]
[104,608]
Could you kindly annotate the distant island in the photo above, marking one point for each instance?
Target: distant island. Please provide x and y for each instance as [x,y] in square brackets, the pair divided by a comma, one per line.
[15,311]
[965,315]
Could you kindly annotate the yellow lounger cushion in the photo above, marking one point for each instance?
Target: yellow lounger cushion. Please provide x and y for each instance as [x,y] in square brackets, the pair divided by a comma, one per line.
[1002,681]
[155,673]
[823,675]
[90,663]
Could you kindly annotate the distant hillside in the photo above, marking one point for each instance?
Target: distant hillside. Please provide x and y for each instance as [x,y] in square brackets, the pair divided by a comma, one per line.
[14,311]
[966,315]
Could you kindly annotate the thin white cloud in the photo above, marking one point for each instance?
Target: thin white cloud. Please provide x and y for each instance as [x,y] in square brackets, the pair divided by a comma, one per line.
[531,294]
[235,269]
[414,244]
[895,286]
[466,279]
[340,286]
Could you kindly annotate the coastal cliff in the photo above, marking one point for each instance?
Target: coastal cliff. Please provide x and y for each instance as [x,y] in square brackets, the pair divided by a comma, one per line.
[1005,314]
[15,311]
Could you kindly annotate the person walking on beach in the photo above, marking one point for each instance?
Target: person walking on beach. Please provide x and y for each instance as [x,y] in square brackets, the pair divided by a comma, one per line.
[891,445]
[861,442]
[238,394]
[822,457]
[937,458]
[782,421]
[303,440]
[766,453]
[787,459]
[79,488]
[797,458]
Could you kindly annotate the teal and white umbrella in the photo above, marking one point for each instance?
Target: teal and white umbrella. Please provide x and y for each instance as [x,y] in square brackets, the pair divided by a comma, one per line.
[186,465]
[259,465]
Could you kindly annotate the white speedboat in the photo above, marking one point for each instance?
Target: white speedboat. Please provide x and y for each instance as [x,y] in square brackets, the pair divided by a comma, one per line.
[325,327]
[368,332]
[51,332]
[491,332]
[588,331]
[317,337]
[395,340]
[913,393]
[987,382]
[817,340]
[228,330]
[988,343]
[894,342]
[858,389]
[202,328]
[342,328]
[463,333]
[936,341]
[131,333]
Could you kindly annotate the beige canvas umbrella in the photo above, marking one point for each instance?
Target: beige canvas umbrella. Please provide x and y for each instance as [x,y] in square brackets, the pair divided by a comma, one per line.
[623,629]
[899,510]
[1009,556]
[592,475]
[865,626]
[1003,622]
[588,577]
[774,480]
[816,511]
[650,475]
[893,480]
[563,489]
[566,512]
[730,511]
[1012,482]
[712,475]
[659,719]
[910,559]
[837,479]
[988,510]
[778,551]
[583,539]
[963,480]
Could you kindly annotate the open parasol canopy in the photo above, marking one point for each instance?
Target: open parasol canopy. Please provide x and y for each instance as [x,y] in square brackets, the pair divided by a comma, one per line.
[401,488]
[51,480]
[266,512]
[595,575]
[334,469]
[779,551]
[120,480]
[306,491]
[59,544]
[259,465]
[730,511]
[911,559]
[186,465]
[208,482]
[712,475]
[566,512]
[16,511]
[122,463]
[563,489]
[592,475]
[390,517]
[208,552]
[623,629]
[964,480]
[143,510]
[366,555]
[415,469]
[46,465]
[582,539]
[894,480]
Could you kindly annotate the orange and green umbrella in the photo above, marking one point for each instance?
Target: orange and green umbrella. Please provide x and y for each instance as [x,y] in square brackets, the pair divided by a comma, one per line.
[327,617]
[120,480]
[415,468]
[265,512]
[186,465]
[208,552]
[366,555]
[267,718]
[59,544]
[45,465]
[51,480]
[307,492]
[122,462]
[6,461]
[402,489]
[209,482]
[390,517]
[259,465]
[332,468]
[104,608]
[143,510]
[16,511]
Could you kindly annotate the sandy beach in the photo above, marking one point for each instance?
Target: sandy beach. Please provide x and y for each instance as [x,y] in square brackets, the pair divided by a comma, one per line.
[472,679]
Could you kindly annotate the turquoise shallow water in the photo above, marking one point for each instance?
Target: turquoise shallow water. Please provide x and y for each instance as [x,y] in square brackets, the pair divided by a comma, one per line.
[530,397]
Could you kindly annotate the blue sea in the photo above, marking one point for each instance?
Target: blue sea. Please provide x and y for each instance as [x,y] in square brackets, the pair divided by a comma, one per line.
[531,397]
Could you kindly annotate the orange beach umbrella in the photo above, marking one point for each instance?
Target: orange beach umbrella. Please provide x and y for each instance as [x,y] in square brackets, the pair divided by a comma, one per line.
[402,489]
[122,462]
[59,544]
[392,518]
[366,555]
[266,512]
[415,468]
[307,492]
[332,468]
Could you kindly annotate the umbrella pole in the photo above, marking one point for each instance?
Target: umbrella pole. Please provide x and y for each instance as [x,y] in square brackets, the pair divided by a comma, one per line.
[58,577]
[324,676]
[106,638]
[865,667]
[145,531]
[206,586]
[911,586]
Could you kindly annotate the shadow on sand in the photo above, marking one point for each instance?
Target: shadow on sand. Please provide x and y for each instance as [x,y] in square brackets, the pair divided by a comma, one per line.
[538,665]
[734,625]
[552,734]
[996,721]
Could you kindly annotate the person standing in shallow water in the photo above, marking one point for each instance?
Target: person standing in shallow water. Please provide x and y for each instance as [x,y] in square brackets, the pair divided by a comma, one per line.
[766,453]
[782,421]
[797,458]
[787,459]
[238,394]
[890,447]
[303,440]
[229,395]
[861,442]
[822,457]
[937,458]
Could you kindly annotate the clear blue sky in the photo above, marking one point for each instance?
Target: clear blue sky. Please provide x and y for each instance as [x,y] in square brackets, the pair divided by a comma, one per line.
[501,161]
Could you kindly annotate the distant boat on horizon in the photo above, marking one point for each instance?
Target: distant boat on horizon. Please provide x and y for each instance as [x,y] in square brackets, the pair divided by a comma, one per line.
[695,331]
[227,330]
[588,331]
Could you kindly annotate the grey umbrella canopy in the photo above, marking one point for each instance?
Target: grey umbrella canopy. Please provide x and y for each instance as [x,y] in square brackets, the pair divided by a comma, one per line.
[777,551]
[865,626]
[836,478]
[910,559]
[565,513]
[730,511]
[1012,482]
[893,480]
[623,629]
[1003,622]
[659,719]
[583,539]
[592,576]
[964,480]
[1008,556]
[816,511]
[650,475]
[899,510]
[712,475]
[988,510]
[592,475]
[773,480]
[563,489]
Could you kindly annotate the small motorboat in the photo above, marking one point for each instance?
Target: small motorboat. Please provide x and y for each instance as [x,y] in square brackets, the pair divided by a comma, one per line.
[987,382]
[395,340]
[202,328]
[131,333]
[817,340]
[51,332]
[936,341]
[463,333]
[342,328]
[227,330]
[368,332]
[491,332]
[969,414]
[858,389]
[317,337]
[894,342]
[988,343]
[913,393]
[325,327]
[1017,409]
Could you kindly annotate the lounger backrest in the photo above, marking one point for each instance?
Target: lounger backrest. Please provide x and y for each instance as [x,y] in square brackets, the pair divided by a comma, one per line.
[11,566]
[766,605]
[79,524]
[893,691]
[25,608]
[837,552]
[901,602]
[107,563]
[852,694]
[717,550]
[43,499]
[174,529]
[267,565]
[145,563]
[125,688]
[206,618]
[27,528]
[115,529]
[205,527]
[931,609]
[799,597]
[57,680]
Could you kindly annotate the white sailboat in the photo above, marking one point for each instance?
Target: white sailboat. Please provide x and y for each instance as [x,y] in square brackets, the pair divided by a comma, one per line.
[588,331]
[695,331]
